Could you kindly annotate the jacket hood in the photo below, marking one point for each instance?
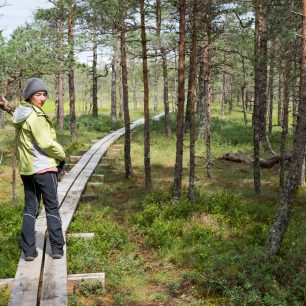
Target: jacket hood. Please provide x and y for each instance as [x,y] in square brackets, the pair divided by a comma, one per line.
[22,112]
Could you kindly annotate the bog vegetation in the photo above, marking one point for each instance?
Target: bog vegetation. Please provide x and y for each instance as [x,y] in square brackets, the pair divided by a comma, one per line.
[175,223]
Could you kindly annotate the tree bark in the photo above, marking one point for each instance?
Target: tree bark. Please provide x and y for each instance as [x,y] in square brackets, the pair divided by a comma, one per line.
[248,159]
[61,77]
[180,104]
[271,92]
[155,103]
[284,127]
[134,86]
[280,97]
[288,192]
[303,169]
[113,90]
[223,98]
[125,100]
[192,84]
[187,113]
[94,75]
[147,159]
[243,98]
[205,124]
[259,111]
[295,98]
[165,70]
[120,94]
[73,127]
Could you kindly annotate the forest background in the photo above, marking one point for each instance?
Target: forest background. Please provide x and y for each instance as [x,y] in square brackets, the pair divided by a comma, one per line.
[229,76]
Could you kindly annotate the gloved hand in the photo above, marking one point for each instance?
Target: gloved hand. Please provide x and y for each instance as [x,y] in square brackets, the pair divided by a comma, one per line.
[61,170]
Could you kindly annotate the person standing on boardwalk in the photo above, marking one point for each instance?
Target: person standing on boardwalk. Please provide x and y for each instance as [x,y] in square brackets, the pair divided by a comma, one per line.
[41,159]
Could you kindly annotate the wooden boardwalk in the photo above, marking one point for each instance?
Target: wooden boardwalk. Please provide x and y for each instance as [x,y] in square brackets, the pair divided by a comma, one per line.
[44,280]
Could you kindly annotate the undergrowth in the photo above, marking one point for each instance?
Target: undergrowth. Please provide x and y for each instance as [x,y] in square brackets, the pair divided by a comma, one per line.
[221,238]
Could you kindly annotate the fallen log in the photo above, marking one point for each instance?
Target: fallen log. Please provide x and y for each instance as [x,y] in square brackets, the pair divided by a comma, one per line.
[248,159]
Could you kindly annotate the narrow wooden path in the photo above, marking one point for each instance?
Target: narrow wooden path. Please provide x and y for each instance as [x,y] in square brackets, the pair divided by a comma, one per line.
[44,280]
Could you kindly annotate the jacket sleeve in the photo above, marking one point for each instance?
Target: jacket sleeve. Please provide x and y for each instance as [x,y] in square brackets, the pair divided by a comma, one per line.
[43,137]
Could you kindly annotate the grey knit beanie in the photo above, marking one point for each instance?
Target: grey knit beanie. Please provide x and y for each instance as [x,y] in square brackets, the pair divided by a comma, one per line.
[32,86]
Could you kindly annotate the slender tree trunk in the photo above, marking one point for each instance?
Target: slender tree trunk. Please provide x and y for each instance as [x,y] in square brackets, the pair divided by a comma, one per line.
[61,75]
[94,75]
[180,105]
[147,160]
[230,104]
[120,94]
[199,108]
[295,98]
[114,91]
[175,85]
[223,99]
[155,103]
[73,127]
[187,112]
[243,87]
[303,179]
[288,192]
[134,87]
[259,111]
[207,100]
[192,84]
[56,81]
[280,98]
[271,93]
[284,128]
[205,124]
[165,70]
[125,98]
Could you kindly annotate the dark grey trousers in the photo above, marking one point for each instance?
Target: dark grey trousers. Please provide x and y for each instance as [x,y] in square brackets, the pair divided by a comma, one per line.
[37,186]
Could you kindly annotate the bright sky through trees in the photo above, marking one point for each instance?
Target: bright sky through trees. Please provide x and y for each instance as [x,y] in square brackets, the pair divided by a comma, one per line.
[17,12]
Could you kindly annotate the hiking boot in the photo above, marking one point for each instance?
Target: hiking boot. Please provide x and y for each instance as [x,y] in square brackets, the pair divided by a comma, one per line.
[57,256]
[31,257]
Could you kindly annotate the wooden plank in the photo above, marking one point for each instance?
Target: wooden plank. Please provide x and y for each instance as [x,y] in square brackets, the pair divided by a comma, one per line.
[94,184]
[98,178]
[54,292]
[81,235]
[80,277]
[26,282]
[73,279]
[108,160]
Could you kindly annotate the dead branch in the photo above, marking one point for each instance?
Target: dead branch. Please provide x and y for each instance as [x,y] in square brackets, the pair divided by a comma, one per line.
[248,159]
[5,106]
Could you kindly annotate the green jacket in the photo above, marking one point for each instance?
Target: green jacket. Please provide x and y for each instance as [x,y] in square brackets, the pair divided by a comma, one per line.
[37,148]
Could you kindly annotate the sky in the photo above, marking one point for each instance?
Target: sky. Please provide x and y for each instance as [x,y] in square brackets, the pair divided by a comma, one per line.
[17,12]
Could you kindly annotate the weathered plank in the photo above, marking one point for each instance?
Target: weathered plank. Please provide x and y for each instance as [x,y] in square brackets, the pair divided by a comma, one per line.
[81,235]
[54,293]
[97,178]
[26,282]
[73,279]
